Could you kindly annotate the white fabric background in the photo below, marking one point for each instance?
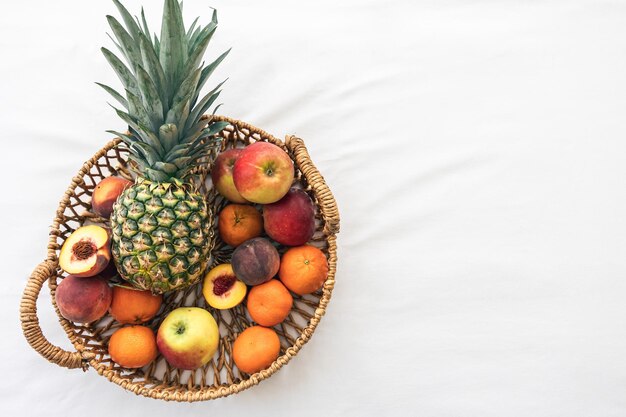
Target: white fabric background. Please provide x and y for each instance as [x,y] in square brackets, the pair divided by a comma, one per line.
[475,148]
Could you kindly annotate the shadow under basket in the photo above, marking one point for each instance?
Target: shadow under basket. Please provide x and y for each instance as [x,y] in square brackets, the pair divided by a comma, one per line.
[219,377]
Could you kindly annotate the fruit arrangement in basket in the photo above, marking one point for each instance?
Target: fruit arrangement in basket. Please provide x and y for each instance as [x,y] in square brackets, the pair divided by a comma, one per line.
[205,248]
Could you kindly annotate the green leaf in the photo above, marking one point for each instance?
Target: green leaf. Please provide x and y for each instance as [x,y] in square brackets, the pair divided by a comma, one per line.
[213,129]
[150,98]
[126,41]
[194,130]
[199,49]
[117,45]
[157,45]
[156,175]
[168,134]
[126,117]
[202,152]
[145,151]
[179,113]
[216,108]
[192,27]
[117,96]
[200,132]
[172,54]
[193,37]
[183,162]
[206,73]
[217,127]
[166,167]
[203,105]
[131,25]
[137,109]
[126,138]
[143,164]
[177,152]
[122,71]
[184,114]
[146,31]
[187,87]
[153,67]
[199,34]
[202,147]
[141,131]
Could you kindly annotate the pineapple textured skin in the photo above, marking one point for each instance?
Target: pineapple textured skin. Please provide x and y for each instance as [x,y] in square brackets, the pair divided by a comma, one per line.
[160,235]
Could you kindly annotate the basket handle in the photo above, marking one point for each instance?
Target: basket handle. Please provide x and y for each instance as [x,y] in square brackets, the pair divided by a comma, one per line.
[328,206]
[30,322]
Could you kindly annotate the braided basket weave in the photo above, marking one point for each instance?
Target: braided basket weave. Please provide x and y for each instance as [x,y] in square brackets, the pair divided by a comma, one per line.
[158,380]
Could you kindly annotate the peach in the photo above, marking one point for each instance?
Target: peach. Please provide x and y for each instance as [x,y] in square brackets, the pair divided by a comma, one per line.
[255,261]
[86,252]
[222,175]
[83,300]
[238,223]
[110,271]
[105,194]
[222,289]
[263,173]
[290,221]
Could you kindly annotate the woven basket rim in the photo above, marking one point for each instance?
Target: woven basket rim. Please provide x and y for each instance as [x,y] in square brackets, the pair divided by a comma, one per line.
[330,215]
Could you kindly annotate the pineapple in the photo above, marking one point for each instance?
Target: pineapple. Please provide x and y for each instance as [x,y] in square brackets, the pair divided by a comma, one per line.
[160,225]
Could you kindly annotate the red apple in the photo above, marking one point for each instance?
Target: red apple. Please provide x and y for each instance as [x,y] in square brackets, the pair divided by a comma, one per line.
[291,220]
[263,173]
[222,175]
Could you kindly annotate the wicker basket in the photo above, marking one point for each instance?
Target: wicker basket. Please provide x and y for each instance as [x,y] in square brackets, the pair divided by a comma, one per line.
[219,377]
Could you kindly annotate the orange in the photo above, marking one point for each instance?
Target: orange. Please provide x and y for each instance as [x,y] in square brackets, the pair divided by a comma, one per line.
[238,223]
[269,303]
[255,349]
[303,269]
[130,306]
[133,346]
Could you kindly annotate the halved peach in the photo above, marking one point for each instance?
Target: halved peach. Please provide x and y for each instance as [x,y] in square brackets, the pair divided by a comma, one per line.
[222,289]
[86,252]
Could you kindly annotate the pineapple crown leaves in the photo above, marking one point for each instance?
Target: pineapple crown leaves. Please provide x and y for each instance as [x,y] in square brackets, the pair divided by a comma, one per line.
[162,80]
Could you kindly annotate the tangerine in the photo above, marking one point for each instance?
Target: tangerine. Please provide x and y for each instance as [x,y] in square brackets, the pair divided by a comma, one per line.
[303,269]
[269,303]
[255,349]
[131,306]
[133,346]
[238,223]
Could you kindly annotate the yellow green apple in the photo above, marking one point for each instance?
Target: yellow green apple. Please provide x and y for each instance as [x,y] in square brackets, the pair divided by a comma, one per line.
[222,175]
[188,337]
